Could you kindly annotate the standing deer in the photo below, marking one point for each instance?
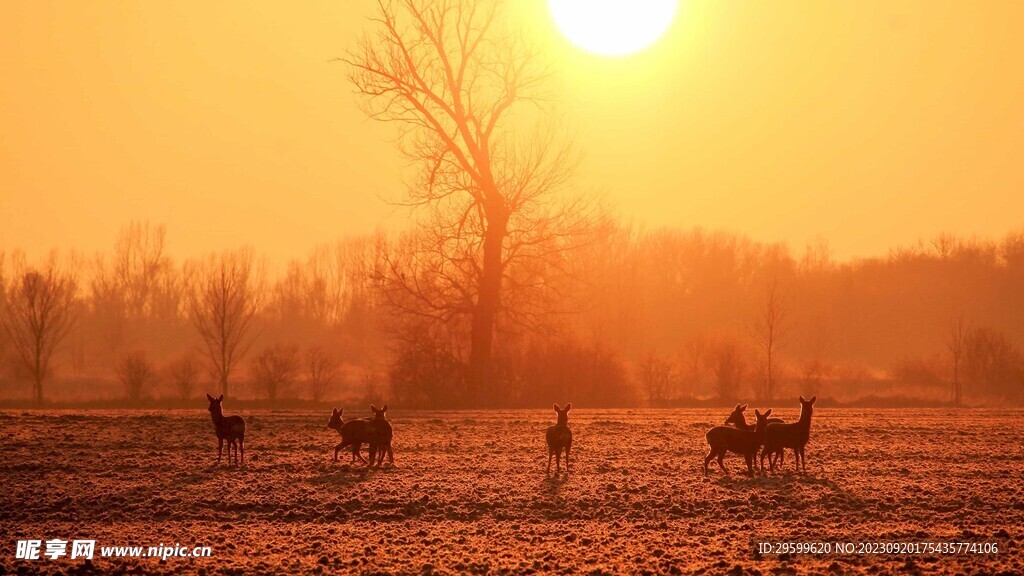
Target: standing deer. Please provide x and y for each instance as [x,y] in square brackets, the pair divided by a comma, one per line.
[778,437]
[737,419]
[354,434]
[559,438]
[230,428]
[723,439]
[381,432]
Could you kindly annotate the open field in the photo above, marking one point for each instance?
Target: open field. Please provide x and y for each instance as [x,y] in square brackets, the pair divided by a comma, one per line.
[469,493]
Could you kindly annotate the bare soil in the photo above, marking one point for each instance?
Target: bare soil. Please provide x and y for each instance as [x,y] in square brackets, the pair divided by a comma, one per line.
[468,493]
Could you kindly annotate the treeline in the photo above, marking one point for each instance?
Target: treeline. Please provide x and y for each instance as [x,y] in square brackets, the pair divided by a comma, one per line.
[627,317]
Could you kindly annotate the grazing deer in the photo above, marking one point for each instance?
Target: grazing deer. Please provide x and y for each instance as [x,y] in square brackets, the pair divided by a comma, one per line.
[723,439]
[381,432]
[738,420]
[230,428]
[354,434]
[560,438]
[778,437]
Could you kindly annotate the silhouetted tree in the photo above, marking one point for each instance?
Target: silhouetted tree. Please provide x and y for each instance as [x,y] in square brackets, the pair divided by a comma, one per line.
[226,291]
[728,367]
[955,343]
[452,75]
[136,374]
[769,328]
[275,368]
[38,314]
[321,371]
[657,375]
[184,375]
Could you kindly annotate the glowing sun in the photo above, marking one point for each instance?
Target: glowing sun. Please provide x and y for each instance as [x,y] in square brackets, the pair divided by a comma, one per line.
[613,27]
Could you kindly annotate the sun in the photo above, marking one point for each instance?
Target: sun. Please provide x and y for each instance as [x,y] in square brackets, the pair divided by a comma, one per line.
[613,27]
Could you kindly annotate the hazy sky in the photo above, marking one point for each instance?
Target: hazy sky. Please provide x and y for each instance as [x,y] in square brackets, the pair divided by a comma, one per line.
[867,123]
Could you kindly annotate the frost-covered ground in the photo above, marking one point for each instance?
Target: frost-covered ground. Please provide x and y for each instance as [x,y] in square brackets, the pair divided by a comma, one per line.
[468,493]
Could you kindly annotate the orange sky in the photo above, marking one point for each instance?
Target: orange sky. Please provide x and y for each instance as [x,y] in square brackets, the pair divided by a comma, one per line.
[868,123]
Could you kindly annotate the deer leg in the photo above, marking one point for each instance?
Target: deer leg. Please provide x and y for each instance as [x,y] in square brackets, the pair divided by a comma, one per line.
[721,461]
[567,458]
[220,448]
[550,454]
[803,458]
[241,445]
[337,449]
[391,455]
[708,459]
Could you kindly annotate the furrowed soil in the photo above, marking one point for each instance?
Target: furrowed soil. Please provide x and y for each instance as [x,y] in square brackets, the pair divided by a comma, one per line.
[468,494]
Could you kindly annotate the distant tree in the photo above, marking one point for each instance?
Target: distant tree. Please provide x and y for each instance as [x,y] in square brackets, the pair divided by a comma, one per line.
[769,328]
[136,374]
[321,371]
[813,372]
[184,375]
[135,286]
[225,292]
[461,86]
[657,375]
[955,344]
[275,369]
[728,367]
[993,364]
[38,314]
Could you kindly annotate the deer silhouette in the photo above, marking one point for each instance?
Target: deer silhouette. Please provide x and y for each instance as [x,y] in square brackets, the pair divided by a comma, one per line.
[723,439]
[230,428]
[737,419]
[559,439]
[778,437]
[354,434]
[381,432]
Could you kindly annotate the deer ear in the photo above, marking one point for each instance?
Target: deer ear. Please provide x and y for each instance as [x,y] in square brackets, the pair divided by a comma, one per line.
[208,397]
[568,406]
[384,408]
[334,411]
[813,399]
[756,413]
[220,398]
[802,399]
[743,408]
[372,407]
[555,406]
[767,412]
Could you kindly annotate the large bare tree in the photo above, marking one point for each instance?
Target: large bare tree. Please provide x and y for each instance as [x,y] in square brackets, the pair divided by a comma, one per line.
[38,314]
[468,96]
[226,291]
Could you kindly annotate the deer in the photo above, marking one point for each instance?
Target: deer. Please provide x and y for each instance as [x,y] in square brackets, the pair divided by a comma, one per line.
[381,432]
[778,437]
[559,438]
[354,434]
[230,428]
[723,439]
[737,419]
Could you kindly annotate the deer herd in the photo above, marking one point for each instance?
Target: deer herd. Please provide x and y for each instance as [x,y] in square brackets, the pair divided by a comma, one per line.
[767,437]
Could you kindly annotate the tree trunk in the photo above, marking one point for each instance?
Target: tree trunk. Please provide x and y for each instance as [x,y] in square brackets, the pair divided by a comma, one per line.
[487,305]
[38,390]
